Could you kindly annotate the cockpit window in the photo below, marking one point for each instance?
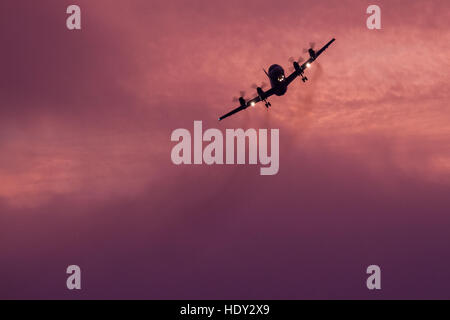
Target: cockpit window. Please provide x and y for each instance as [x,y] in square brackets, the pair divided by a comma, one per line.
[281,77]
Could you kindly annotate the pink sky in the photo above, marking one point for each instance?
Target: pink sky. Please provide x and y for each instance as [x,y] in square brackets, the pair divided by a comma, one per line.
[85,124]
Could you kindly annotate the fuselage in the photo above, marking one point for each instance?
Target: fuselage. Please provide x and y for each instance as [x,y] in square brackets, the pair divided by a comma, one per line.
[277,79]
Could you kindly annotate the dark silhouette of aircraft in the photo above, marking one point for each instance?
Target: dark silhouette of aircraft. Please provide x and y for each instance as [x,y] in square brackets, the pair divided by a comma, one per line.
[278,81]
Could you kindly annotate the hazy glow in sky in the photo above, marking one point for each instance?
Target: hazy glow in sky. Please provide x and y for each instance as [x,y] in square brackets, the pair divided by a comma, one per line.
[86,175]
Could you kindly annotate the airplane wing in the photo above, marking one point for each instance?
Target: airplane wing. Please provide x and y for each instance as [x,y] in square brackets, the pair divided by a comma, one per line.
[318,53]
[249,103]
[232,112]
[308,62]
[293,76]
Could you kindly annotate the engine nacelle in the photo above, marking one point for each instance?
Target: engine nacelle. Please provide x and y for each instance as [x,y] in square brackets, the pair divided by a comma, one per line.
[297,67]
[312,53]
[260,92]
[242,101]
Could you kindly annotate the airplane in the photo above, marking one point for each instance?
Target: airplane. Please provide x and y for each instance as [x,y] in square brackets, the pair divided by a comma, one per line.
[278,81]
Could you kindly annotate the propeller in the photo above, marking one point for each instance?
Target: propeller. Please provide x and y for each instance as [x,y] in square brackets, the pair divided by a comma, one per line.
[242,94]
[312,45]
[262,86]
[292,60]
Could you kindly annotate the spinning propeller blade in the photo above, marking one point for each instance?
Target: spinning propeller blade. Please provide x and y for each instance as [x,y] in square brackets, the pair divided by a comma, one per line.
[262,86]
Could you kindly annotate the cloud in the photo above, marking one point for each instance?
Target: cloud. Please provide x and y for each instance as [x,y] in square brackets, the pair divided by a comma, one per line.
[92,110]
[85,124]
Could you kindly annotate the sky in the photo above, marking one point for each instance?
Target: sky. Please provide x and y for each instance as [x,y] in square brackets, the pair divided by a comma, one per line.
[86,176]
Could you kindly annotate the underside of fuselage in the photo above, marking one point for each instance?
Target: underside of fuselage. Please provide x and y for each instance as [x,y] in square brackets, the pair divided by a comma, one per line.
[277,79]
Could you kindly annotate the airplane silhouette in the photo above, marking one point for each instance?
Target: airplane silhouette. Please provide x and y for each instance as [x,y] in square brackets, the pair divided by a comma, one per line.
[278,81]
